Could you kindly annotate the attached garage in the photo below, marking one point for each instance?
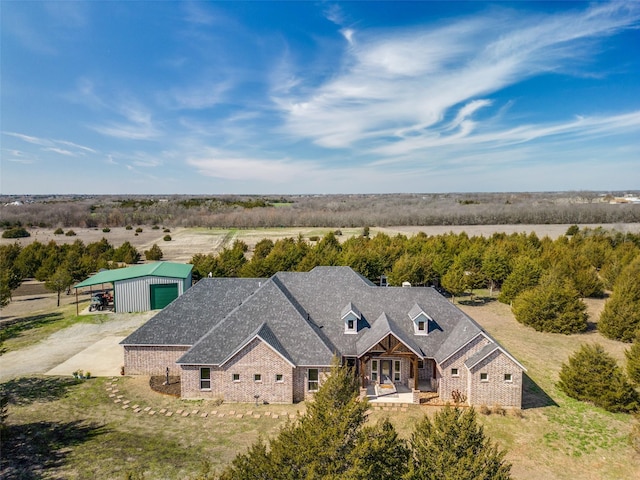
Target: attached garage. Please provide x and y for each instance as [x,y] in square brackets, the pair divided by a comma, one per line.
[151,286]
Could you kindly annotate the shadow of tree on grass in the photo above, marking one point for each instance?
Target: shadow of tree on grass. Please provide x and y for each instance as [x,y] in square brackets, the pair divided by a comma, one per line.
[533,396]
[22,391]
[30,451]
[15,327]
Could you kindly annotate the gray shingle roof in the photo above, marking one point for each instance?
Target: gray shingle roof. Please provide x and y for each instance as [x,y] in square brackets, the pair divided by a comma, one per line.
[201,307]
[481,355]
[300,315]
[267,305]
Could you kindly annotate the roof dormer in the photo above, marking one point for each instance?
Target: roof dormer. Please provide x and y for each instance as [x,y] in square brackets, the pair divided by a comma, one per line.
[350,316]
[423,324]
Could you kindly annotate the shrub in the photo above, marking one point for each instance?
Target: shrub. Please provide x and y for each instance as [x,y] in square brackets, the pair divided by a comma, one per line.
[16,232]
[553,306]
[633,360]
[138,230]
[499,410]
[166,230]
[106,229]
[620,318]
[573,230]
[155,227]
[154,253]
[70,233]
[167,238]
[128,227]
[58,231]
[593,375]
[314,238]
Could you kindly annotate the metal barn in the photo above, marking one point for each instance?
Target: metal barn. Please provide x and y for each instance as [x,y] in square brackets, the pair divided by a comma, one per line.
[145,287]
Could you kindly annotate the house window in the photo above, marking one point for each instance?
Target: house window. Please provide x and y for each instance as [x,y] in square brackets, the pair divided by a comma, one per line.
[374,370]
[421,326]
[454,372]
[420,364]
[312,384]
[396,371]
[279,378]
[257,377]
[205,378]
[235,377]
[350,325]
[484,377]
[508,377]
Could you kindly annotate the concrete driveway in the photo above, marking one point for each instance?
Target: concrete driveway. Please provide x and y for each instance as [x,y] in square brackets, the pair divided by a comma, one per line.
[84,346]
[103,359]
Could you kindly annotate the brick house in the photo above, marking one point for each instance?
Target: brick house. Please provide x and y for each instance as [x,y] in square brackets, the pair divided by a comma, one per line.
[274,339]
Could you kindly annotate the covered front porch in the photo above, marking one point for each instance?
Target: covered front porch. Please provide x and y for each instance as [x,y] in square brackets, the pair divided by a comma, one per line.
[392,371]
[402,394]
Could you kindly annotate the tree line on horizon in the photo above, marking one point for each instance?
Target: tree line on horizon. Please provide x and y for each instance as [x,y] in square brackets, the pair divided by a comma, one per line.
[334,211]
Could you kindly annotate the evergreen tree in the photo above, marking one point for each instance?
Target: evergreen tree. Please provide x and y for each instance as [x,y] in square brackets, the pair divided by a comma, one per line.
[154,253]
[495,266]
[633,360]
[454,281]
[525,274]
[379,454]
[553,306]
[620,319]
[593,375]
[453,447]
[319,444]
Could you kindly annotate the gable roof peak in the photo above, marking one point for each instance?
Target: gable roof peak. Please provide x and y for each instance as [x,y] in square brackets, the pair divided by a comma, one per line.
[350,308]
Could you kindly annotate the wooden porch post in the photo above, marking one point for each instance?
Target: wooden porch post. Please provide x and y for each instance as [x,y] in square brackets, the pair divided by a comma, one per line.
[414,363]
[362,376]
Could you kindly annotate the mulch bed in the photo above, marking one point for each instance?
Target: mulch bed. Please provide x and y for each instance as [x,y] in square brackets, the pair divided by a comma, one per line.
[157,384]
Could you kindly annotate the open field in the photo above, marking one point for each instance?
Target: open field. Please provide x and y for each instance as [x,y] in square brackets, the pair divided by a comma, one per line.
[82,432]
[186,242]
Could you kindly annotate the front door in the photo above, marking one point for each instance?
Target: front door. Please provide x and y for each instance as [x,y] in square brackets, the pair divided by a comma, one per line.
[386,372]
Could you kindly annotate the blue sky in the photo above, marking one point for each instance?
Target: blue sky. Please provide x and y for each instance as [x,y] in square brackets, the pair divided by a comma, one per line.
[319,97]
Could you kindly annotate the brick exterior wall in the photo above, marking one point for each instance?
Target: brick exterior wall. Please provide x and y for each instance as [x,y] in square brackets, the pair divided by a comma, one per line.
[145,360]
[496,391]
[447,382]
[254,358]
[300,385]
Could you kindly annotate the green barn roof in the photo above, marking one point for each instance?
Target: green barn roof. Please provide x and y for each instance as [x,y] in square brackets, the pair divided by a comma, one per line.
[157,269]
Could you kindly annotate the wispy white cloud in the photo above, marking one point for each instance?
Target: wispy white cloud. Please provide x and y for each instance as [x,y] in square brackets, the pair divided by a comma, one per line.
[59,151]
[398,86]
[205,95]
[53,145]
[233,166]
[138,124]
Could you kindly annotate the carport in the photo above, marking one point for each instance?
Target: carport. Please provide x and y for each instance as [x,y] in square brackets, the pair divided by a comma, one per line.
[139,288]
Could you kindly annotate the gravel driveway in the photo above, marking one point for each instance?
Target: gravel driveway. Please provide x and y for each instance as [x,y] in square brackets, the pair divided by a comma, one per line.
[95,345]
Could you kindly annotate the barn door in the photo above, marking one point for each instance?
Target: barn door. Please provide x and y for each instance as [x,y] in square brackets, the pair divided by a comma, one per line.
[163,294]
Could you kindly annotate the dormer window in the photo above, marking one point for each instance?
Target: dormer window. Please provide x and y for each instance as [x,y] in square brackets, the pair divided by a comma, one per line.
[423,324]
[351,315]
